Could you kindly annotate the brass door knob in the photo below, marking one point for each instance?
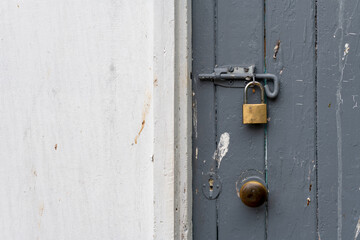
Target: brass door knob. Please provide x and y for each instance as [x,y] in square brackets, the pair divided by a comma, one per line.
[253,193]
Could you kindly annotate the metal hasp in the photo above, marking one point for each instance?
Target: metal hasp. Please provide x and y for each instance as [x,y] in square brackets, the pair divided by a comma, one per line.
[243,73]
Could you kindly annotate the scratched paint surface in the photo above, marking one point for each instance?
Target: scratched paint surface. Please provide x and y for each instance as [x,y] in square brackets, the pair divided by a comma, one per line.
[76,115]
[310,149]
[338,119]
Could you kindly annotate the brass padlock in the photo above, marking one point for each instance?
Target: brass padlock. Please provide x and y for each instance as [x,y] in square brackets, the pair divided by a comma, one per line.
[254,113]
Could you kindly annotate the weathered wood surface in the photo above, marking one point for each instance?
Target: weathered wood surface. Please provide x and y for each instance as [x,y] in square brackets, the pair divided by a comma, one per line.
[291,131]
[246,144]
[311,146]
[215,32]
[338,119]
[204,132]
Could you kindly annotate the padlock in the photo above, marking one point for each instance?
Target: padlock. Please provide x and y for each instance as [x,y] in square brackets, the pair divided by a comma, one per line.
[254,113]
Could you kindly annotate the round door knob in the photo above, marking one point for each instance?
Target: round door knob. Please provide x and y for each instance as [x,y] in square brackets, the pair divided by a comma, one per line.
[253,193]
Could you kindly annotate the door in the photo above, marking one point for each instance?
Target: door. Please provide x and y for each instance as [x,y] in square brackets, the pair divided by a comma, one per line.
[308,154]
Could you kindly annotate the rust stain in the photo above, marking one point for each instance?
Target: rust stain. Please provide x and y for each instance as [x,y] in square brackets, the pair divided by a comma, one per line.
[155,82]
[276,49]
[308,201]
[55,147]
[145,112]
[142,127]
[41,209]
[310,187]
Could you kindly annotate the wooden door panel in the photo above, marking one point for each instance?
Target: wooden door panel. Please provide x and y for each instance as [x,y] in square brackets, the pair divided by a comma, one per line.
[309,151]
[291,131]
[338,81]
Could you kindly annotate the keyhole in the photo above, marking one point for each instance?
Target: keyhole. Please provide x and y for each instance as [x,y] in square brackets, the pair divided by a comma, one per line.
[211,184]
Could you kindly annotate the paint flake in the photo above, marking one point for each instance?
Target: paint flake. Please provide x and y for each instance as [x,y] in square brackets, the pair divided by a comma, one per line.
[357,229]
[222,148]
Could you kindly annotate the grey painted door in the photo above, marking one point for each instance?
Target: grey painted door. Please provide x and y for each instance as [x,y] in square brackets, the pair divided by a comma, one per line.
[309,152]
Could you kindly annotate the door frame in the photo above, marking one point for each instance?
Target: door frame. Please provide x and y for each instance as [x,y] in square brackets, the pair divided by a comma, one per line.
[172,181]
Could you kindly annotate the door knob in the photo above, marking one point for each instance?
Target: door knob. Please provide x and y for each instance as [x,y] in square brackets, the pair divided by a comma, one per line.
[253,193]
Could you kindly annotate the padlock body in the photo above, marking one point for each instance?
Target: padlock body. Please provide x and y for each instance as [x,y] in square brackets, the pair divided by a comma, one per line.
[254,113]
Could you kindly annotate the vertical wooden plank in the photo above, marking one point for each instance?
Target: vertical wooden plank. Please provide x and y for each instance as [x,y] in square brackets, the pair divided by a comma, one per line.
[239,41]
[291,132]
[338,119]
[204,210]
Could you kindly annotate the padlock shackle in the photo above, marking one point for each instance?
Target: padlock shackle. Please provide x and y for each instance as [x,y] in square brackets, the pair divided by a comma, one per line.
[261,89]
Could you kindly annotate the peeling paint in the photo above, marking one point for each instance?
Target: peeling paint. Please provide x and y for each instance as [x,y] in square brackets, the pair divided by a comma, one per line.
[276,49]
[357,229]
[354,100]
[222,148]
[346,50]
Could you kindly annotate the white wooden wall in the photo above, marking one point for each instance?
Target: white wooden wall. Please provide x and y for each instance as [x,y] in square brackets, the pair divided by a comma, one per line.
[77,120]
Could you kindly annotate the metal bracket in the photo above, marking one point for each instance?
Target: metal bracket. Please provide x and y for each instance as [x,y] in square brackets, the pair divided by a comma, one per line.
[225,73]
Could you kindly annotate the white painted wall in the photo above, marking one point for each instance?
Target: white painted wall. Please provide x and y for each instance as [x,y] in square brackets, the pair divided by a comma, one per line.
[86,138]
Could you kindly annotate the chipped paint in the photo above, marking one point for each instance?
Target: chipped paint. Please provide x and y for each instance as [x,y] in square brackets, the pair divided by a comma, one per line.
[276,49]
[357,229]
[346,50]
[222,148]
[355,101]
